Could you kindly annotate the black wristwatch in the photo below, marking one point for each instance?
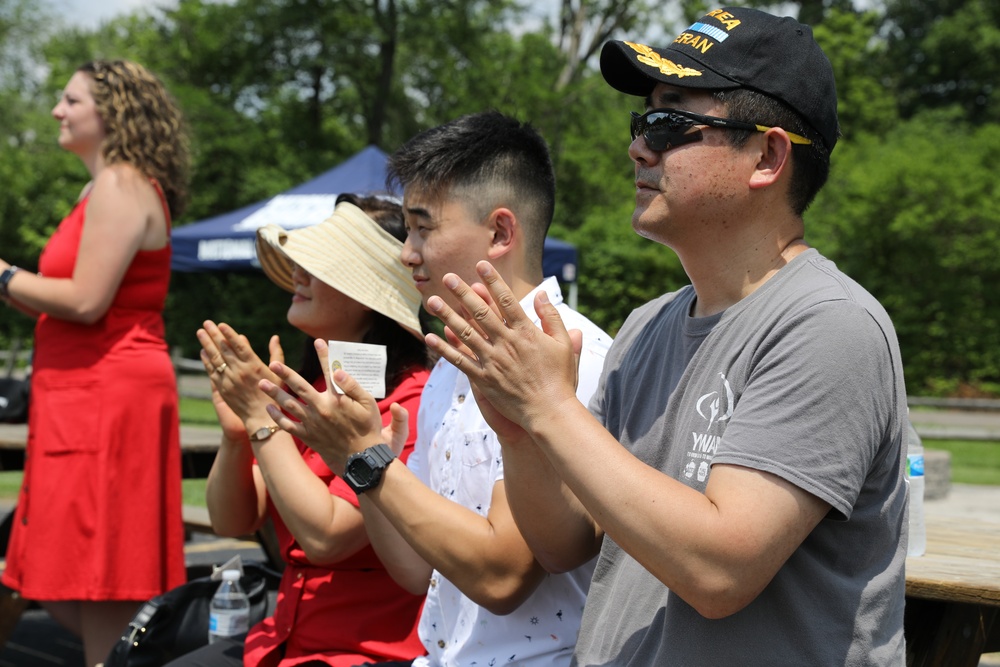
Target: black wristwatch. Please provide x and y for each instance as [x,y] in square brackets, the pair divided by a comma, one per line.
[364,469]
[5,277]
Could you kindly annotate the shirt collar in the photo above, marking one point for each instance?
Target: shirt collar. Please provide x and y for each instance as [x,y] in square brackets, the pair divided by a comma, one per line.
[551,287]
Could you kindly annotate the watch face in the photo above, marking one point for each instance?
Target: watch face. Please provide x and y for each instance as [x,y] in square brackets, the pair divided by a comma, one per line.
[362,473]
[264,433]
[364,469]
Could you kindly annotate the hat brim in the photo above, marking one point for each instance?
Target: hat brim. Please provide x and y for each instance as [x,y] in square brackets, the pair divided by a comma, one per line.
[349,252]
[276,264]
[635,69]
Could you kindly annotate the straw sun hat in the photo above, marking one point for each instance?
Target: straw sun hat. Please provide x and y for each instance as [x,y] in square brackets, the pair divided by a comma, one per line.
[349,252]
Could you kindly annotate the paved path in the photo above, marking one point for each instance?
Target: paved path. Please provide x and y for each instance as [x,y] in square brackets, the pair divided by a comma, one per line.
[956,424]
[968,501]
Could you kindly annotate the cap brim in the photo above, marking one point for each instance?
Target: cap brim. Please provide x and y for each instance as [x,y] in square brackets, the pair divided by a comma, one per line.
[635,69]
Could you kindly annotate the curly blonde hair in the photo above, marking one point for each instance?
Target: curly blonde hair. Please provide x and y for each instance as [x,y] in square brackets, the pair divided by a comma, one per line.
[143,125]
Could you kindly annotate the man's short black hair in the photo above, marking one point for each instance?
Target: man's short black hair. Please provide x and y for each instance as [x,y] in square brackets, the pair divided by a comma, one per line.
[489,160]
[810,163]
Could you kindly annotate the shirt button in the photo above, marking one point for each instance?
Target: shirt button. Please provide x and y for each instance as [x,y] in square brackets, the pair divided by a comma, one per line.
[441,643]
[461,398]
[447,455]
[298,576]
[434,583]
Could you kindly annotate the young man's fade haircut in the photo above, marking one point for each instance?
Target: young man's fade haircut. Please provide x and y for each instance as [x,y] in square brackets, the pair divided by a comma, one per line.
[488,160]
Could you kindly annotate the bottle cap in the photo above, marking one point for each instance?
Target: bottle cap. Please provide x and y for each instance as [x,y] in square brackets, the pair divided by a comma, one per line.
[230,575]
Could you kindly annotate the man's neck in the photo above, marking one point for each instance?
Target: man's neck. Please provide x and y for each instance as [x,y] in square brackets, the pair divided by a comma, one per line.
[722,277]
[517,275]
[522,286]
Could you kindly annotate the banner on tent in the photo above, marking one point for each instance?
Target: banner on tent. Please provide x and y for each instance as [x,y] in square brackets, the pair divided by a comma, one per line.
[228,250]
[290,212]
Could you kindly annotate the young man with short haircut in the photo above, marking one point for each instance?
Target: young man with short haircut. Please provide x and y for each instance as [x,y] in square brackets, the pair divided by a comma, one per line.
[478,188]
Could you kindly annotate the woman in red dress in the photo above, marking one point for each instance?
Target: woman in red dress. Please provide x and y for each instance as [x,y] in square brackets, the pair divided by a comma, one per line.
[336,603]
[98,526]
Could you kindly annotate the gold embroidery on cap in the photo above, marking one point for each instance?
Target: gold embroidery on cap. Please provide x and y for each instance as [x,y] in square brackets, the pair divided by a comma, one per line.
[649,57]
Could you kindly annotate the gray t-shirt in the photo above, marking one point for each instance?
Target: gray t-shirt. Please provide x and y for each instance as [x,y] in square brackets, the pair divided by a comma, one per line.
[801,379]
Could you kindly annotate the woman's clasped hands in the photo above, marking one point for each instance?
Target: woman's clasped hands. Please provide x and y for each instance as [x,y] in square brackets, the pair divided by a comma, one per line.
[235,370]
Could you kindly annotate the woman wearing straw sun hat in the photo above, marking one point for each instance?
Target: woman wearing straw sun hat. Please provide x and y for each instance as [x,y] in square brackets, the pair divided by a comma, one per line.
[336,603]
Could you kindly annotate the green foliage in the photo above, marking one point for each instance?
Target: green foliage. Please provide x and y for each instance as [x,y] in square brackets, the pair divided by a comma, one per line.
[276,91]
[249,302]
[858,66]
[945,53]
[912,217]
[40,180]
[620,270]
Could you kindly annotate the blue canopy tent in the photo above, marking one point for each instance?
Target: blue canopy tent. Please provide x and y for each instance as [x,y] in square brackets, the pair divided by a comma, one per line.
[226,242]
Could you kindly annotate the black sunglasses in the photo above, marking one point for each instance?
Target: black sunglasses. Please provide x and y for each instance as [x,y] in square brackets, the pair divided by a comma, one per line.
[664,129]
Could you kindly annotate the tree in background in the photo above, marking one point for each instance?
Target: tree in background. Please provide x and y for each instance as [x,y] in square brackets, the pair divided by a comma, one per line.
[277,91]
[584,27]
[946,53]
[914,219]
[39,179]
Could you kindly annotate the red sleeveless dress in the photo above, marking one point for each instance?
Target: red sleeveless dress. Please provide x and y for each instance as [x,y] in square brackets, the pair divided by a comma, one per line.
[99,512]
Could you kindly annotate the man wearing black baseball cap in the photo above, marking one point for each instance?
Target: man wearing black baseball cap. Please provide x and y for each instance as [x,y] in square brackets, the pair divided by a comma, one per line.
[741,468]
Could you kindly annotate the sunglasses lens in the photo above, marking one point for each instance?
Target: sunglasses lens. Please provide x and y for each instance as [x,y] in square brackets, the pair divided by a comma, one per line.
[661,130]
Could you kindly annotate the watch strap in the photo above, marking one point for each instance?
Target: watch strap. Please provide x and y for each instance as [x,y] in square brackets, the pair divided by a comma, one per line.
[264,433]
[382,454]
[5,277]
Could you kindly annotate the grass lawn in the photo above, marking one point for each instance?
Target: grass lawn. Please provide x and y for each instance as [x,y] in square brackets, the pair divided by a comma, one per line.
[972,461]
[193,490]
[197,411]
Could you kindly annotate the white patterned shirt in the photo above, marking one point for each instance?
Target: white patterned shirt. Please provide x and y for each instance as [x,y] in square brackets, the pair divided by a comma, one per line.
[458,456]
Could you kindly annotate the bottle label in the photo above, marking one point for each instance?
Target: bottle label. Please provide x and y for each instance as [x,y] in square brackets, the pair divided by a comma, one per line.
[229,622]
[915,465]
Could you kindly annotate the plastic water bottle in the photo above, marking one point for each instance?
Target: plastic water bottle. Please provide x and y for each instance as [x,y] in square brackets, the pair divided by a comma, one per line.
[229,616]
[915,476]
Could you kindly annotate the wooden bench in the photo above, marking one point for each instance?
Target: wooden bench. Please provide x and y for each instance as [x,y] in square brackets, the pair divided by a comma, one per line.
[196,520]
[198,447]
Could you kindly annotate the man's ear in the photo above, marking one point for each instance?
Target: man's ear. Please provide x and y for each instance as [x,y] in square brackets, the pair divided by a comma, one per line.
[505,229]
[774,159]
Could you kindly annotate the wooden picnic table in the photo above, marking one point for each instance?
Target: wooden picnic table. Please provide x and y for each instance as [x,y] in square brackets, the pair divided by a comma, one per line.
[953,594]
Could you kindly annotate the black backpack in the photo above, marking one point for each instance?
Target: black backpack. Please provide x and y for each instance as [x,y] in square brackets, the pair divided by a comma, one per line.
[176,623]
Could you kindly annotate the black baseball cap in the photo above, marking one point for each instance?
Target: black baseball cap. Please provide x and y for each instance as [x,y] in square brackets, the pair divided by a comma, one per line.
[736,47]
